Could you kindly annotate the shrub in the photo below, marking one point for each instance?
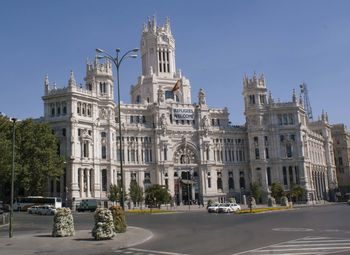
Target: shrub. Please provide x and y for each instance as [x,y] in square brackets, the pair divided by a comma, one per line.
[255,190]
[104,227]
[63,223]
[118,219]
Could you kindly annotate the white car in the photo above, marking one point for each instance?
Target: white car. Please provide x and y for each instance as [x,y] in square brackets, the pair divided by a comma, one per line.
[46,210]
[214,208]
[229,208]
[33,209]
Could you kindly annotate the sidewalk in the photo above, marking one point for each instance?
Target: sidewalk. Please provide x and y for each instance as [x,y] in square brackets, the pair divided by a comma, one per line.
[30,244]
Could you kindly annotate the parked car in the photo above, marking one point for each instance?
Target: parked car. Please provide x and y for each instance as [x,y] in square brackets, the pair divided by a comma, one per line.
[213,208]
[33,209]
[229,208]
[46,210]
[349,202]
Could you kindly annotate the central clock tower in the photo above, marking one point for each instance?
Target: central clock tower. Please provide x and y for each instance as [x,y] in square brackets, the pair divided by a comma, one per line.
[159,74]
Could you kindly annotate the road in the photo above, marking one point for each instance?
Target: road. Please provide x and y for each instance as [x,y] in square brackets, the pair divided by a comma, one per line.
[312,230]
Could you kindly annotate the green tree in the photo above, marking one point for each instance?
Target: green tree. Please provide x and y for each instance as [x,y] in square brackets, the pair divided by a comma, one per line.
[5,158]
[296,192]
[157,195]
[135,193]
[255,190]
[115,193]
[277,191]
[36,157]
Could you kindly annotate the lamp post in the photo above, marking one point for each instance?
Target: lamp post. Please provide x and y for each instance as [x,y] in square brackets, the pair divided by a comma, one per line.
[12,177]
[117,61]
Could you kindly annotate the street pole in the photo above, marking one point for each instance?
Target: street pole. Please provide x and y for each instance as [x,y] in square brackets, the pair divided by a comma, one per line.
[12,177]
[117,61]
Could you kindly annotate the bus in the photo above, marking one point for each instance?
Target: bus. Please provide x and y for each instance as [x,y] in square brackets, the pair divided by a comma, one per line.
[23,203]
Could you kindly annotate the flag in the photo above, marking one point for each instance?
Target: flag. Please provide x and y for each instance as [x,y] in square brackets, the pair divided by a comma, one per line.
[177,86]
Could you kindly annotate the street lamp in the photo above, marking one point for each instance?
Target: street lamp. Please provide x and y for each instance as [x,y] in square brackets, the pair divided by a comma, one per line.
[12,177]
[117,61]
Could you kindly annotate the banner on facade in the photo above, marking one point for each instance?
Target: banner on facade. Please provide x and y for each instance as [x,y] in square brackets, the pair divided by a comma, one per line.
[183,114]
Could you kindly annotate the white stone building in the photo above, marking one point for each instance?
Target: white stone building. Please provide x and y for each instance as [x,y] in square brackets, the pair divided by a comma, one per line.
[189,147]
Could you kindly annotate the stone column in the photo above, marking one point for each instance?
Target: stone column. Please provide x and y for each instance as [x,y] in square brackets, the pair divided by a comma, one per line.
[81,182]
[87,182]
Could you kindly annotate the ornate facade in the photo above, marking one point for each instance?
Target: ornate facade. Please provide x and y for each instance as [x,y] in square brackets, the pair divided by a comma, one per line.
[190,147]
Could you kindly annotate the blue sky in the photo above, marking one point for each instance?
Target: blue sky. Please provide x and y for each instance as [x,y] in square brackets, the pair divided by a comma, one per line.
[217,42]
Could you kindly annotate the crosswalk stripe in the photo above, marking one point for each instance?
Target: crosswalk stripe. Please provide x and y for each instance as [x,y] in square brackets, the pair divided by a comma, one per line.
[306,249]
[309,245]
[304,246]
[157,252]
[322,241]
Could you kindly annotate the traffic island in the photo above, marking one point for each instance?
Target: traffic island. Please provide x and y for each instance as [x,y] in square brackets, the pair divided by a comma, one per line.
[44,243]
[263,210]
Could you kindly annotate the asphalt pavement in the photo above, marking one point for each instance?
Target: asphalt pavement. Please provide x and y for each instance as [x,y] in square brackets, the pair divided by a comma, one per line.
[304,230]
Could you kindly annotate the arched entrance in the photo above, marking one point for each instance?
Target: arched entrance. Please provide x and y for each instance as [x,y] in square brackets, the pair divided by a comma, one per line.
[186,180]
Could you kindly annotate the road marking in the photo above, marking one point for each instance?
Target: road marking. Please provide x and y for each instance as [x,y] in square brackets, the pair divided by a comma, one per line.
[303,246]
[293,229]
[135,251]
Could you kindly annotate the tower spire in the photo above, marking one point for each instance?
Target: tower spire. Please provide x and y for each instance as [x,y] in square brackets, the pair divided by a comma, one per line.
[71,82]
[46,84]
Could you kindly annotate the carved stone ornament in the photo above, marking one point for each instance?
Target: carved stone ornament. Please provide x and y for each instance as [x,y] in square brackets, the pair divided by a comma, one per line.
[103,113]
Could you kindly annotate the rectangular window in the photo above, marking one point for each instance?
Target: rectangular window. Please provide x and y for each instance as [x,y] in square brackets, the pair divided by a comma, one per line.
[78,108]
[219,182]
[231,185]
[132,155]
[262,99]
[279,117]
[86,149]
[289,150]
[297,177]
[104,152]
[240,155]
[209,182]
[267,153]
[89,110]
[285,178]
[256,141]
[64,108]
[268,170]
[257,154]
[285,119]
[165,154]
[58,107]
[251,99]
[104,179]
[340,161]
[241,180]
[290,119]
[291,179]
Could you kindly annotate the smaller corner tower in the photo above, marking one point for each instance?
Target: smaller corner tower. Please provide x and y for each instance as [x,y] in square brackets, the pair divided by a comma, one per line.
[99,79]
